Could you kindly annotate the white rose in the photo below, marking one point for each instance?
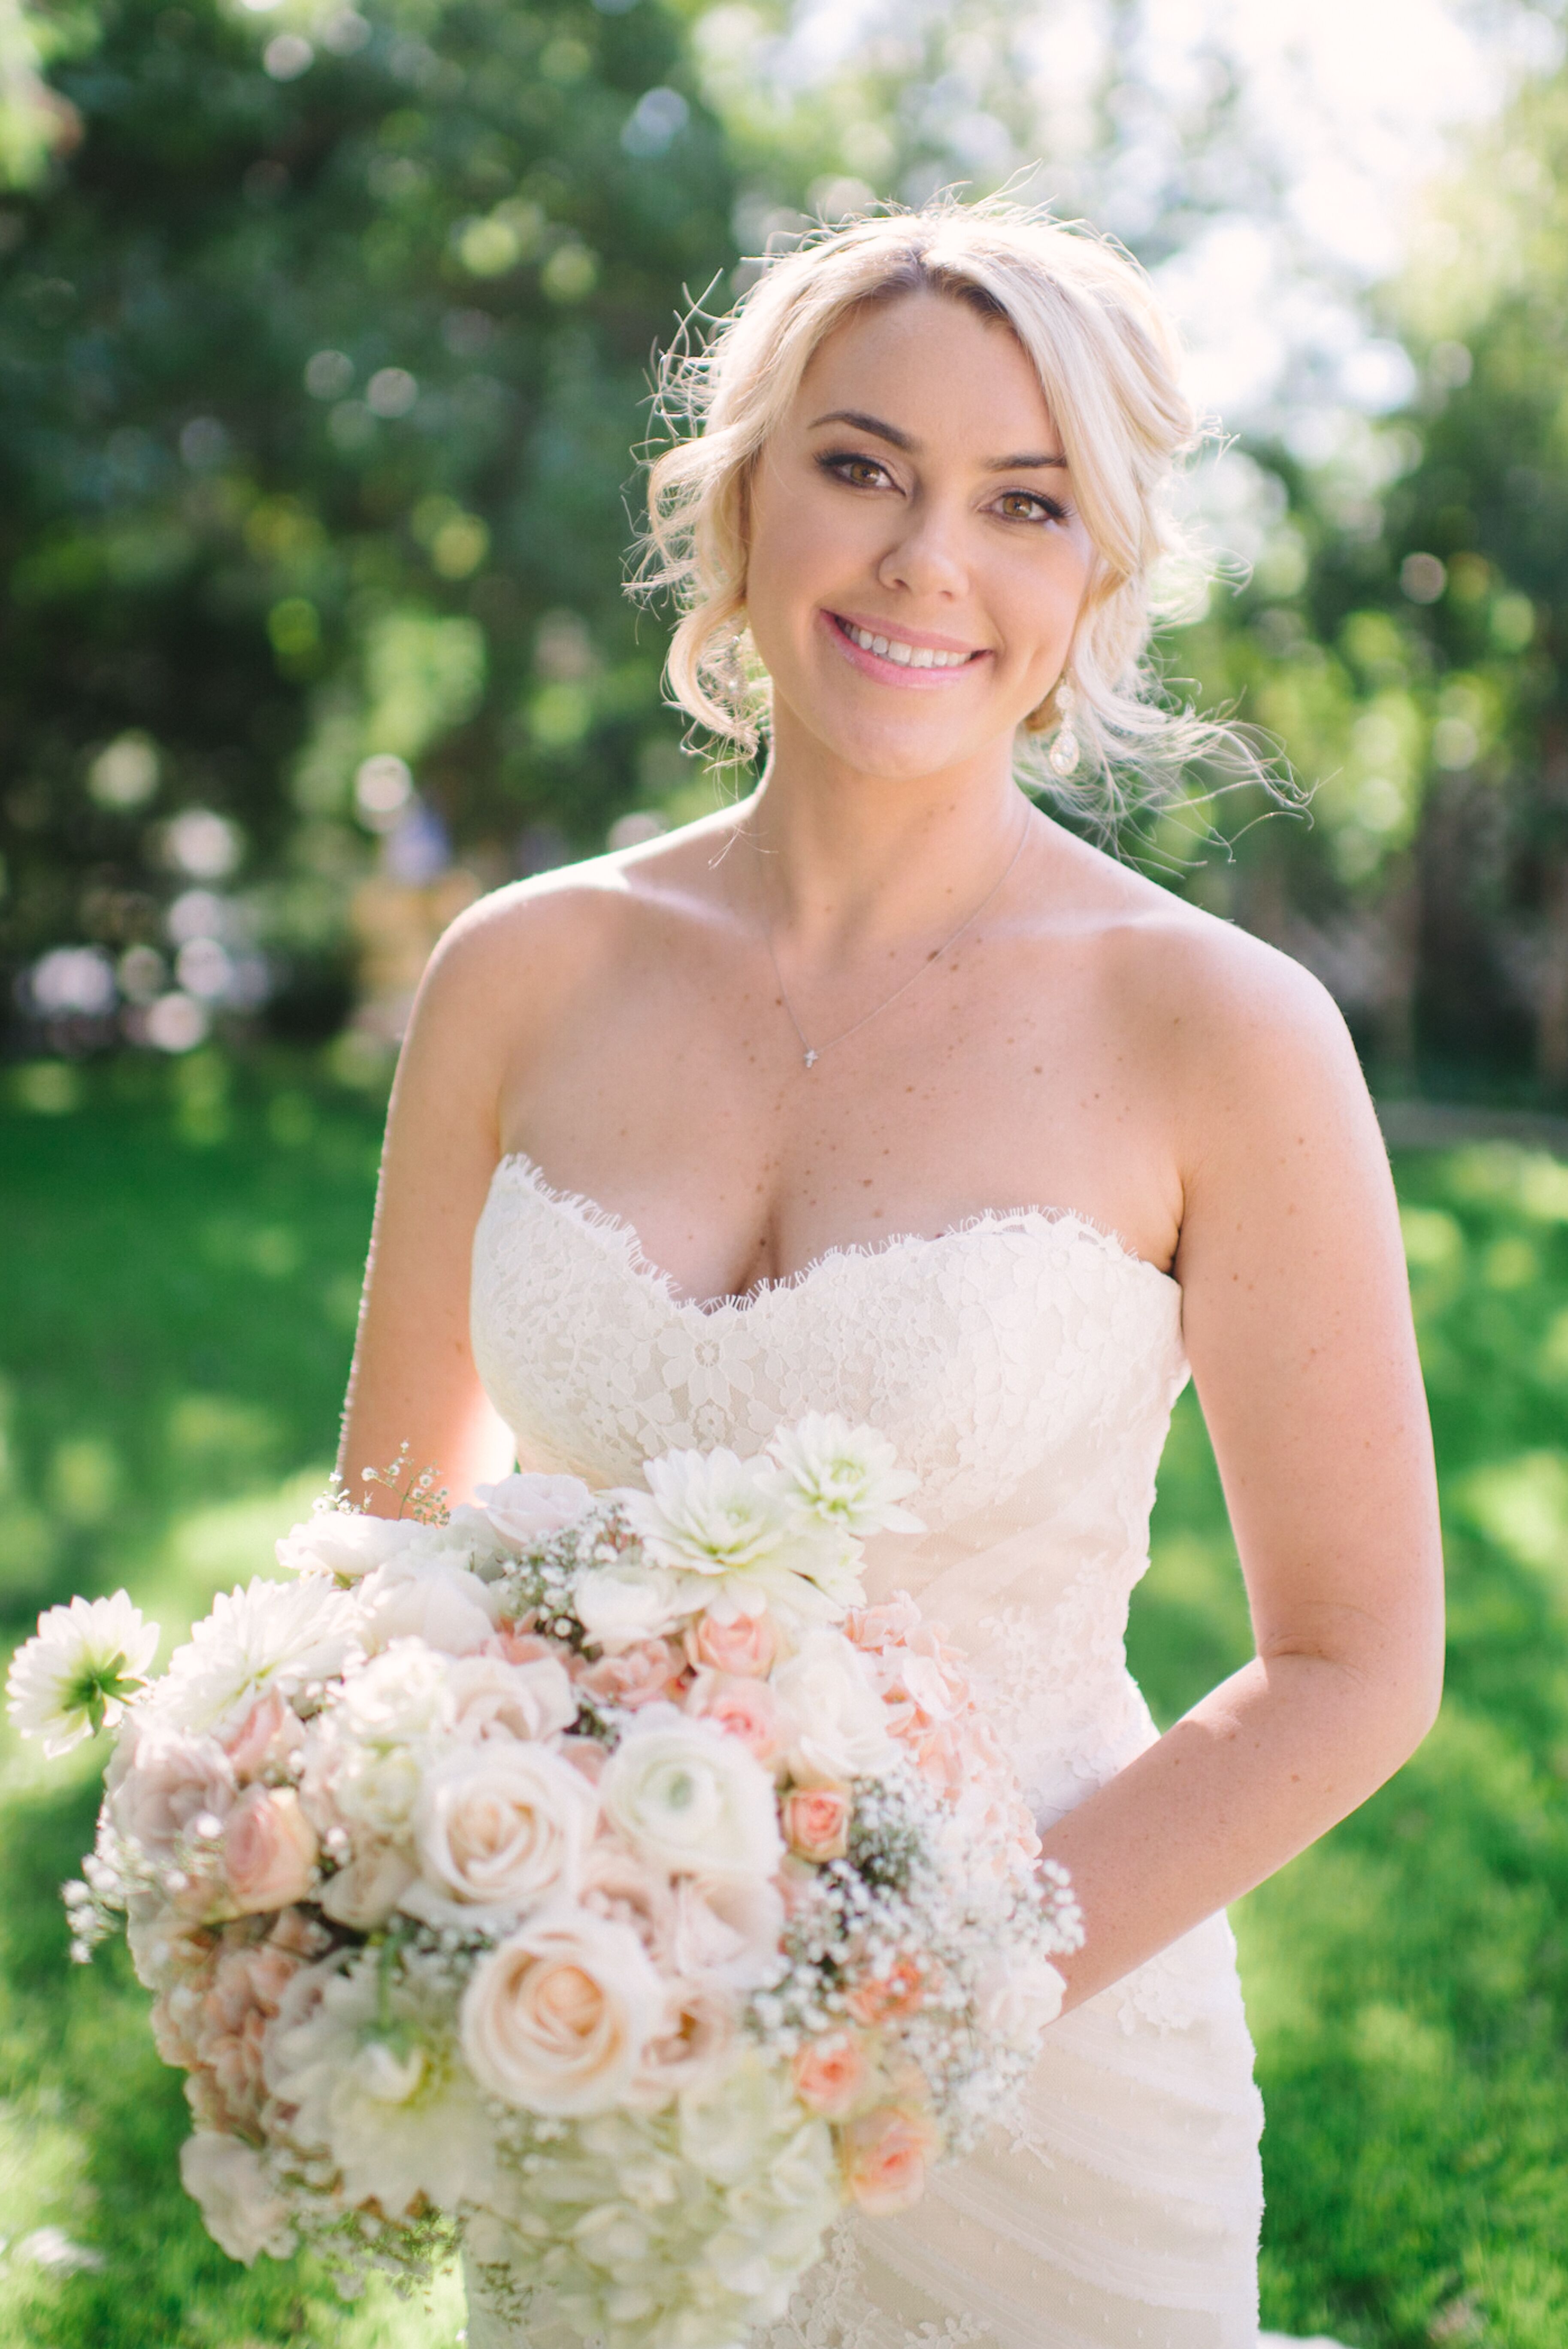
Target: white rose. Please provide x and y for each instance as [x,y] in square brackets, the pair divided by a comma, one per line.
[619,1606]
[1020,1998]
[499,1829]
[727,1932]
[692,1799]
[429,1599]
[491,1698]
[524,1507]
[344,1542]
[242,2209]
[837,1723]
[365,1893]
[556,2020]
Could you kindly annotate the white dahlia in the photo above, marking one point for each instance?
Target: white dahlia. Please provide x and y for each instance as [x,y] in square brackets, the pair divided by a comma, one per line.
[274,1635]
[844,1476]
[78,1674]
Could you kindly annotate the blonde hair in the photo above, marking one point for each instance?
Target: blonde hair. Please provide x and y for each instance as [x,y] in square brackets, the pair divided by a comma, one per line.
[1107,361]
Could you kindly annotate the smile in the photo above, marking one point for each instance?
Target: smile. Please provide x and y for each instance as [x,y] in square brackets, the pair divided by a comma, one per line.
[905,656]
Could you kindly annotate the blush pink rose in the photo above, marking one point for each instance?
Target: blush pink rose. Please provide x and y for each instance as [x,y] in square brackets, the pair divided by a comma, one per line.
[269,1733]
[744,1709]
[270,1852]
[746,1646]
[886,2154]
[888,1626]
[637,1676]
[889,1997]
[831,2075]
[816,1822]
[516,1645]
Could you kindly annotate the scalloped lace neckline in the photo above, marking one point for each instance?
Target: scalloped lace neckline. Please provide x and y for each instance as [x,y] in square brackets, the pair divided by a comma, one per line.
[622,1235]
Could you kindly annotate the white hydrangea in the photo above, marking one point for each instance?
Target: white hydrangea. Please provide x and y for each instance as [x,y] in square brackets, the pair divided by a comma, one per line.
[376,2079]
[371,1749]
[80,1672]
[232,2186]
[288,1635]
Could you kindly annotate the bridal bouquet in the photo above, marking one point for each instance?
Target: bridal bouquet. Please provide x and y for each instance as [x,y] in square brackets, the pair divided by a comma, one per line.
[596,1880]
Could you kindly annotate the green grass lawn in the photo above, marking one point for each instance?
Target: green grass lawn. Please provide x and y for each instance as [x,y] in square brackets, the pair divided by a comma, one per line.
[177,1294]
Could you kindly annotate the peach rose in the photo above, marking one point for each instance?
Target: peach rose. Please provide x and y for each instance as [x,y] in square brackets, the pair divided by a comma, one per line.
[268,1850]
[637,1676]
[269,1733]
[247,1988]
[746,1646]
[831,2075]
[744,1709]
[516,1644]
[886,2154]
[816,1822]
[557,2018]
[890,1997]
[887,1626]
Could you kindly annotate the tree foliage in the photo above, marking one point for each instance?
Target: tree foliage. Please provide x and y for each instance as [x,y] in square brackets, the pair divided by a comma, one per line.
[321,358]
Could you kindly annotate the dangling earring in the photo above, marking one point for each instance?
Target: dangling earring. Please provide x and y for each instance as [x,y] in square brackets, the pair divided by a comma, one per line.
[1063,755]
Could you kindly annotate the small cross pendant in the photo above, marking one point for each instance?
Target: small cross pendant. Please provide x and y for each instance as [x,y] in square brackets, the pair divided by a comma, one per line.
[811,1057]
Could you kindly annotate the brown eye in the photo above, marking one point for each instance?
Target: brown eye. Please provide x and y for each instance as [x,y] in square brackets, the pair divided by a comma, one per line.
[860,472]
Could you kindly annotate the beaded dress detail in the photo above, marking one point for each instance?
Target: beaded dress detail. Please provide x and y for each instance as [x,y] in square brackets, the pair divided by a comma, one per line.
[1025,1364]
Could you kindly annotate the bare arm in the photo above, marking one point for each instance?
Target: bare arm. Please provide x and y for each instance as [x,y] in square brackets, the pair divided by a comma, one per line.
[1297,1326]
[413,1379]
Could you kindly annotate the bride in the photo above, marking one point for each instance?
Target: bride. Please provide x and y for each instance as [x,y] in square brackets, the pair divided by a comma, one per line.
[881,1093]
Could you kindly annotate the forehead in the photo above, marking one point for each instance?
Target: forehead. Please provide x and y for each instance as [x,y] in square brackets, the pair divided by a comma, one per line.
[935,368]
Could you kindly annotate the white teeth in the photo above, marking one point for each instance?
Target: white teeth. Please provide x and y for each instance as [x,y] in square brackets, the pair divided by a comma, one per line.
[906,656]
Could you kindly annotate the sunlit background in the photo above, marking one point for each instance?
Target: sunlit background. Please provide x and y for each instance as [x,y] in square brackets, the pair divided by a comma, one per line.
[325,341]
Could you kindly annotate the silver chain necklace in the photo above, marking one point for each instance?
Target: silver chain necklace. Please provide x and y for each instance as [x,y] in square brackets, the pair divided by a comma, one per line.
[813,1053]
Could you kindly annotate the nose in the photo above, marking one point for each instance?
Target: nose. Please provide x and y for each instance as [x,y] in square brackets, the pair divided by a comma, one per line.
[925,557]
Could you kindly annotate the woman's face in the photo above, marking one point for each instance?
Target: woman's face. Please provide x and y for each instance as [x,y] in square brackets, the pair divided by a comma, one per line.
[917,561]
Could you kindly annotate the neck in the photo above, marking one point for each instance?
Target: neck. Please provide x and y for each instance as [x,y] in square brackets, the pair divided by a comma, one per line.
[844,862]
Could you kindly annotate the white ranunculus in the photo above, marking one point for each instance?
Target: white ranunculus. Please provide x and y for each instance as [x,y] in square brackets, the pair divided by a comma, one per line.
[1020,1998]
[557,2018]
[288,1635]
[78,1674]
[500,1829]
[847,1477]
[837,1723]
[435,1599]
[242,2209]
[347,1543]
[377,2080]
[491,1698]
[523,1507]
[686,1795]
[162,1783]
[727,1930]
[619,1606]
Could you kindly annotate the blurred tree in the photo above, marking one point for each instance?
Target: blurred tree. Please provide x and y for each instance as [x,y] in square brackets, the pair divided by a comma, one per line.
[321,361]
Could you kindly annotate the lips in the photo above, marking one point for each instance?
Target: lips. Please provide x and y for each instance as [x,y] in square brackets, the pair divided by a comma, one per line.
[890,657]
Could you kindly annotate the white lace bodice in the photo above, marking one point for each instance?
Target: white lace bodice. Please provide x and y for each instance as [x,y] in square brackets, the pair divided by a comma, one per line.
[1023,1364]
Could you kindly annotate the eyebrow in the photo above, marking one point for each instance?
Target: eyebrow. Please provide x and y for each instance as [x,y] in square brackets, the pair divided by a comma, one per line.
[1026,461]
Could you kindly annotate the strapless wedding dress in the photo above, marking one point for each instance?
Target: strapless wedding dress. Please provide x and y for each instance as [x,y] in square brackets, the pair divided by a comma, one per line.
[1025,1364]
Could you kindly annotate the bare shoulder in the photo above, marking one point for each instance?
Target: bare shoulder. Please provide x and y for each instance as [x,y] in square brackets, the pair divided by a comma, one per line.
[1240,1040]
[534,943]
